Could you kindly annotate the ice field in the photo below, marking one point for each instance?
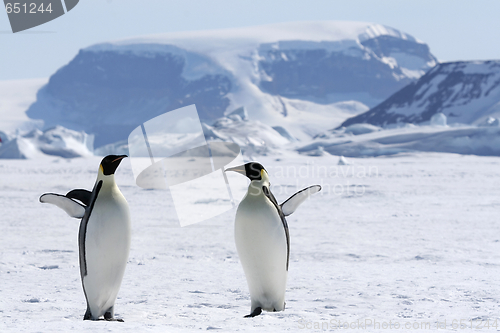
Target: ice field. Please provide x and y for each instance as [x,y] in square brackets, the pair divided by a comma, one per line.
[406,239]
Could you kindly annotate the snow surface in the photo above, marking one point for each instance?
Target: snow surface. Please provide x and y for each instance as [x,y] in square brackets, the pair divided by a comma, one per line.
[343,161]
[408,239]
[358,129]
[253,137]
[15,98]
[459,139]
[57,141]
[490,121]
[439,119]
[304,117]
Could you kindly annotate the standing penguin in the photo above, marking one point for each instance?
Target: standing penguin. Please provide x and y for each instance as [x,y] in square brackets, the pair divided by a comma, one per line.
[103,239]
[262,238]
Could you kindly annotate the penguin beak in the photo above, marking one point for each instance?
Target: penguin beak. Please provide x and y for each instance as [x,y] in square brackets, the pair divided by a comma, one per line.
[119,158]
[239,169]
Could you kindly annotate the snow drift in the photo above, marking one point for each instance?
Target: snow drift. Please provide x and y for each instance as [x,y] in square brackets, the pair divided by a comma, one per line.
[459,139]
[56,141]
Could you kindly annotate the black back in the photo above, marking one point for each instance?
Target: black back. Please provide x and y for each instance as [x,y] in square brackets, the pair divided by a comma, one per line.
[271,197]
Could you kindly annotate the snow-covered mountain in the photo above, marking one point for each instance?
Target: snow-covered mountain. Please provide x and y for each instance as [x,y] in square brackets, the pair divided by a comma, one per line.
[465,92]
[305,77]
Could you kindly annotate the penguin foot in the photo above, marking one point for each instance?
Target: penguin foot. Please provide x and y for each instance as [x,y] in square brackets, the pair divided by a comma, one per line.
[114,319]
[256,312]
[110,314]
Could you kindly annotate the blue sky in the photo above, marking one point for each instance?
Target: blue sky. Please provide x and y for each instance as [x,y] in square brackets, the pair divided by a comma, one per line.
[454,29]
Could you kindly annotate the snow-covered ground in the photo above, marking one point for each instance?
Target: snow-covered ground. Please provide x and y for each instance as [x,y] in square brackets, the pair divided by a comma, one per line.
[360,140]
[15,98]
[402,239]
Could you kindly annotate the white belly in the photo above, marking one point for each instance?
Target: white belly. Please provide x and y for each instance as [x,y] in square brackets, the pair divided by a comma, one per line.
[262,248]
[107,245]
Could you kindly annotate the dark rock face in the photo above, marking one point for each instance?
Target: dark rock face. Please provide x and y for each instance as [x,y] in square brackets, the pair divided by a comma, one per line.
[319,69]
[110,93]
[318,73]
[463,91]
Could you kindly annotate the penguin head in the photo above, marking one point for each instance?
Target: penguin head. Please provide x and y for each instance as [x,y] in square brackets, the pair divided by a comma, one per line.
[253,170]
[109,164]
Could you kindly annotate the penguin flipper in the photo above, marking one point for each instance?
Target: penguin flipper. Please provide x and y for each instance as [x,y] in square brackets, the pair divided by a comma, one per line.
[291,204]
[257,311]
[71,207]
[81,195]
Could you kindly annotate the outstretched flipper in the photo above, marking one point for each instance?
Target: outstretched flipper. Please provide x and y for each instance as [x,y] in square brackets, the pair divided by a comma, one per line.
[291,204]
[256,312]
[70,206]
[82,195]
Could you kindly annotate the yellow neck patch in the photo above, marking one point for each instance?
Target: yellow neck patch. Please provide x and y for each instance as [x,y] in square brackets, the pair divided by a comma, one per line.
[264,175]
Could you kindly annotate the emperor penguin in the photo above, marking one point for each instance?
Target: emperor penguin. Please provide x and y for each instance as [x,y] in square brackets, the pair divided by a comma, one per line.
[103,239]
[262,238]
